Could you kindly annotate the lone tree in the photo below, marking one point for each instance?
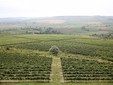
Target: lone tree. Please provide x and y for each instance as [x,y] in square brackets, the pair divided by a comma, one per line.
[54,50]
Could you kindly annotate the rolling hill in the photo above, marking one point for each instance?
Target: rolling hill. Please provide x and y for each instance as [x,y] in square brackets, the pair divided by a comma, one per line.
[62,24]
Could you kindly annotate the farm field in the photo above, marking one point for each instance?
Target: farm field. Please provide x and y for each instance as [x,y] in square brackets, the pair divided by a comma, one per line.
[85,56]
[76,70]
[59,24]
[56,42]
[82,58]
[75,44]
[15,67]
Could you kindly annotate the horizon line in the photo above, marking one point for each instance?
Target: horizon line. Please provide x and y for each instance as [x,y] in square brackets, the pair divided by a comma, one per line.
[59,16]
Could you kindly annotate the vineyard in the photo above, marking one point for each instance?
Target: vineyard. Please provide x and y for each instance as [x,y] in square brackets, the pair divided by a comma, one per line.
[82,58]
[23,67]
[83,45]
[75,70]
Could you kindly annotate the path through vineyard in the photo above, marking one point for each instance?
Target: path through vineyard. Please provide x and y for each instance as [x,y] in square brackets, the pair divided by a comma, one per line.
[57,76]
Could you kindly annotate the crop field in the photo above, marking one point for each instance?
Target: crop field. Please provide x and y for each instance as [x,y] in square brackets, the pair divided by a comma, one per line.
[76,70]
[75,44]
[26,58]
[17,68]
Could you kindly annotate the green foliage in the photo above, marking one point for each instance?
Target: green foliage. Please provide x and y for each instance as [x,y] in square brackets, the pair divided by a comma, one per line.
[25,67]
[54,50]
[86,70]
[84,45]
[105,36]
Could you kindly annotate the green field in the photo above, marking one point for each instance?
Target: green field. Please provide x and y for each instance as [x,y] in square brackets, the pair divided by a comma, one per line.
[85,56]
[75,44]
[84,60]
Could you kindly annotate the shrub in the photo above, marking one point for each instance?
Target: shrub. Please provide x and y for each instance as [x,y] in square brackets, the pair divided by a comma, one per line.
[54,50]
[7,48]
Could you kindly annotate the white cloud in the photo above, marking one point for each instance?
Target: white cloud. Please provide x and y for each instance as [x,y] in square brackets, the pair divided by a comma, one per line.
[37,8]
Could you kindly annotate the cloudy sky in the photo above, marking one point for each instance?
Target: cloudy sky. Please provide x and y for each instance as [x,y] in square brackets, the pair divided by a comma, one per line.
[45,8]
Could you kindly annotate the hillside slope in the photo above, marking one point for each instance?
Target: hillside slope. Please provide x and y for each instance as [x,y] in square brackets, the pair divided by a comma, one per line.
[63,24]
